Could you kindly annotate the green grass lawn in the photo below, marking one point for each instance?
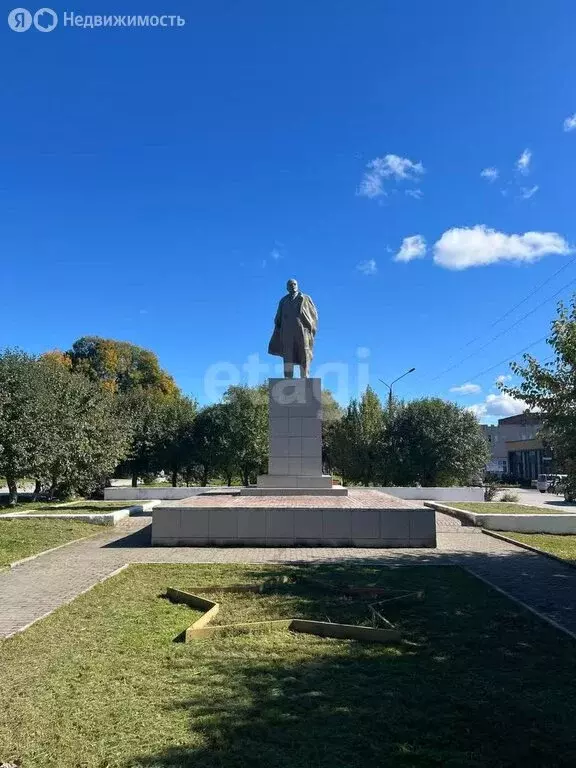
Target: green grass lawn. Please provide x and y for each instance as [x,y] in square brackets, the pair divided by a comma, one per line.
[501,508]
[72,508]
[102,683]
[561,546]
[19,539]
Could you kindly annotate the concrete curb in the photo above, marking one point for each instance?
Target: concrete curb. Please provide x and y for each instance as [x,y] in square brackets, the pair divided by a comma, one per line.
[52,549]
[553,523]
[459,514]
[97,518]
[529,547]
[66,602]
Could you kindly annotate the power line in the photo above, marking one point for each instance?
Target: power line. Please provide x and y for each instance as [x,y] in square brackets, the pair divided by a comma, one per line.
[534,292]
[508,359]
[514,308]
[505,331]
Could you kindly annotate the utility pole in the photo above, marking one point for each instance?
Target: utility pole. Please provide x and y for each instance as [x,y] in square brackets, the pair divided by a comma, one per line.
[390,396]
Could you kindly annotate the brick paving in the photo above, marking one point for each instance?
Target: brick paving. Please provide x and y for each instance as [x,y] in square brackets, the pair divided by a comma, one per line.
[35,588]
[356,499]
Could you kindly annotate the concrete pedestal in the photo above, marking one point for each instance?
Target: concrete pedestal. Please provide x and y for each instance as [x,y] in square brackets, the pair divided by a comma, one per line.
[294,441]
[361,519]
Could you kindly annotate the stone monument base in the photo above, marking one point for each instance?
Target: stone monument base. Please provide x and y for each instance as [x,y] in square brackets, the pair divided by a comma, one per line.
[294,504]
[361,519]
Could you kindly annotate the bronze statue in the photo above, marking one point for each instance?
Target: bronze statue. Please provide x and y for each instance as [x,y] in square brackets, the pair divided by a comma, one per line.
[295,327]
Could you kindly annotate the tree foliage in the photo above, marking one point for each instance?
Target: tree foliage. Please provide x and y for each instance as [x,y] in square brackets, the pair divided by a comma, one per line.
[433,442]
[210,448]
[86,432]
[551,389]
[176,434]
[144,411]
[355,440]
[22,439]
[247,409]
[118,365]
[55,426]
[332,413]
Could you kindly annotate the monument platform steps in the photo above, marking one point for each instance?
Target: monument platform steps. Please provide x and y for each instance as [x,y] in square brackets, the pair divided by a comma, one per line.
[333,490]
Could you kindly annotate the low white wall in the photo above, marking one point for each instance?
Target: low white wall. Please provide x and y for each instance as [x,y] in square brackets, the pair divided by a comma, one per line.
[170,493]
[96,518]
[456,493]
[561,523]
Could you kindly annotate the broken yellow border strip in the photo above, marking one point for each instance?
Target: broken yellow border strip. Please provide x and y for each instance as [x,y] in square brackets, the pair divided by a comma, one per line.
[200,627]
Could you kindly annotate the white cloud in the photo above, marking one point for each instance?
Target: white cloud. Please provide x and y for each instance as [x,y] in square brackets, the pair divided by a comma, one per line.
[491,174]
[498,406]
[503,378]
[527,192]
[275,254]
[413,247]
[368,267]
[570,123]
[387,167]
[464,247]
[415,193]
[467,389]
[523,162]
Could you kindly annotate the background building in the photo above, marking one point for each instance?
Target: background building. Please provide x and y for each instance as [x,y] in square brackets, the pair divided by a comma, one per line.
[517,448]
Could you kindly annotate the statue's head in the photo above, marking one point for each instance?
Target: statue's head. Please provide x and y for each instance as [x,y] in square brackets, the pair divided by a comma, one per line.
[292,286]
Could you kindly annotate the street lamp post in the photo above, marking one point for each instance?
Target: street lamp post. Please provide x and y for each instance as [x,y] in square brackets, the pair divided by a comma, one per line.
[392,384]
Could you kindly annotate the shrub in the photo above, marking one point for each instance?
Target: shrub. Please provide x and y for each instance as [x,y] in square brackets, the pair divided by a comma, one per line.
[511,497]
[490,492]
[569,488]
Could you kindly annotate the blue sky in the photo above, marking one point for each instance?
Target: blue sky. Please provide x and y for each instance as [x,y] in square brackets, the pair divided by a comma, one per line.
[161,185]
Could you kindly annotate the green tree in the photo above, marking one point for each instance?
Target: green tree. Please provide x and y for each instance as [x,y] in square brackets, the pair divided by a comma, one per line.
[84,432]
[210,444]
[144,411]
[433,442]
[332,413]
[247,409]
[120,366]
[551,389]
[22,438]
[55,426]
[176,434]
[357,440]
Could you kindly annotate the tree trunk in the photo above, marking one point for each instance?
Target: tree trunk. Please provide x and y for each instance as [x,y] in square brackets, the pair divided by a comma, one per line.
[52,489]
[37,490]
[205,477]
[134,480]
[174,477]
[229,480]
[246,477]
[12,491]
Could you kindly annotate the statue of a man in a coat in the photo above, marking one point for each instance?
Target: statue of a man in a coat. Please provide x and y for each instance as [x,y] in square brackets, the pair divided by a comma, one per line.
[295,327]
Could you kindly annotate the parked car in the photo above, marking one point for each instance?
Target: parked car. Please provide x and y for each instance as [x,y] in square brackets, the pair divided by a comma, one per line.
[549,482]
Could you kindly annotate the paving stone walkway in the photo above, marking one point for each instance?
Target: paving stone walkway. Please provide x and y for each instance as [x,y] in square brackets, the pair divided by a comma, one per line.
[35,588]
